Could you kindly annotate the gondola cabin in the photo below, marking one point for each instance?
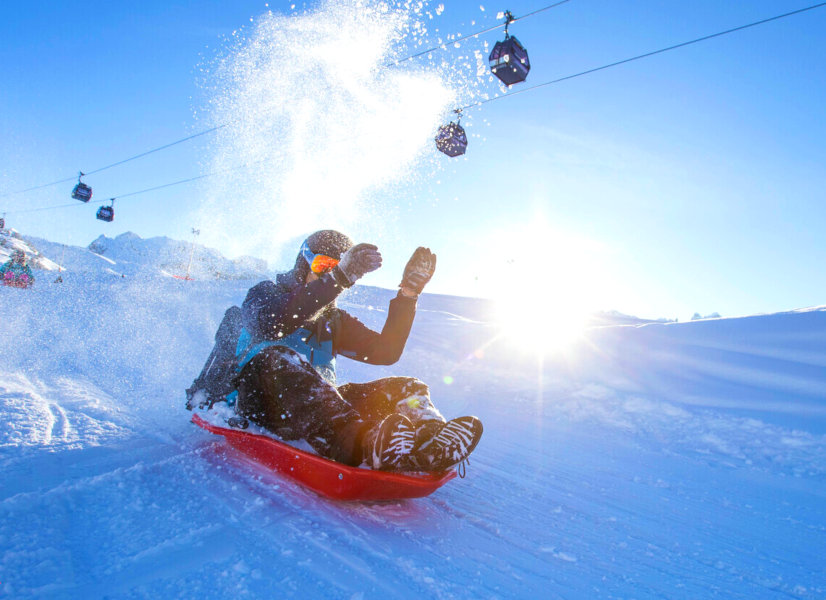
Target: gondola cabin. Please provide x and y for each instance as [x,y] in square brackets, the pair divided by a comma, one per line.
[451,139]
[106,213]
[509,61]
[82,192]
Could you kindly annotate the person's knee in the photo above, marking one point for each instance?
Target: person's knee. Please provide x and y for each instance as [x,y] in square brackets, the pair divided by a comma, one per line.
[282,358]
[415,386]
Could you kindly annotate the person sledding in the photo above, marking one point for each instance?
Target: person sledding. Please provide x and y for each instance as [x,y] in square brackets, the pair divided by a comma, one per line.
[292,333]
[15,272]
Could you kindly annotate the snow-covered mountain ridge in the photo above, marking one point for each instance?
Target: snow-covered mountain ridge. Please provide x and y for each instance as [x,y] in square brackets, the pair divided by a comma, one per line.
[130,255]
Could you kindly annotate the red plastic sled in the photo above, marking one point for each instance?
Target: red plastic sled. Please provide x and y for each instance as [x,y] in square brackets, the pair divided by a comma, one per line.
[326,477]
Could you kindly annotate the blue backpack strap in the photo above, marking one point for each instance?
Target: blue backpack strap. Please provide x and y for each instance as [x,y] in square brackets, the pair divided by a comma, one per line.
[245,351]
[231,398]
[321,356]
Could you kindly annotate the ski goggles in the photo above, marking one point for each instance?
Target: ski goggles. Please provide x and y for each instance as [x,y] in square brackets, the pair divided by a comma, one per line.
[319,263]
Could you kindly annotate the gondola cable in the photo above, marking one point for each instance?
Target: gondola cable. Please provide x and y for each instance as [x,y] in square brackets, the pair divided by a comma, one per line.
[118,163]
[221,126]
[145,191]
[460,110]
[477,34]
[648,54]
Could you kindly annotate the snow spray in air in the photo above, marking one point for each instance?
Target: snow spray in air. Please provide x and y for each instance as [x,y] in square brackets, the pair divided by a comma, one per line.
[316,125]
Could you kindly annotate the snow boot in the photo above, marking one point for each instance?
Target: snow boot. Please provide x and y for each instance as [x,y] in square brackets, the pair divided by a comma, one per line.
[426,431]
[387,446]
[452,445]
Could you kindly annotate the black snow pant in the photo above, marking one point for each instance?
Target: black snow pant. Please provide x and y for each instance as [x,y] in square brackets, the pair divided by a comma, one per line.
[278,389]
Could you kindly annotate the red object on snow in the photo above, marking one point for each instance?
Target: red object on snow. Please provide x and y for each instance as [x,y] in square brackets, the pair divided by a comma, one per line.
[326,477]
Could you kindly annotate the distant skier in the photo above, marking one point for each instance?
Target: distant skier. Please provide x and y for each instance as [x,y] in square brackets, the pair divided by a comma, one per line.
[293,332]
[16,273]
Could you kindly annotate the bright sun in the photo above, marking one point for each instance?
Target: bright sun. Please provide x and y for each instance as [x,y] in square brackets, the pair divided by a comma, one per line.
[546,287]
[539,328]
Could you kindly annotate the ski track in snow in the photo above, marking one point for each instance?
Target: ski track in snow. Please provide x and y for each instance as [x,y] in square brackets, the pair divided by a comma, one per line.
[664,461]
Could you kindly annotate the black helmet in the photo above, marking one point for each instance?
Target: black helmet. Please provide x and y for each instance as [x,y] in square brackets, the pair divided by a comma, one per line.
[328,242]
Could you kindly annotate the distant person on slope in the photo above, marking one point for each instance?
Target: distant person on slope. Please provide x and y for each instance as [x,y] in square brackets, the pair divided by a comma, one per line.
[293,332]
[16,273]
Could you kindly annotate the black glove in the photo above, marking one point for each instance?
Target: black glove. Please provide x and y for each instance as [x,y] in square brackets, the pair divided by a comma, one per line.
[419,270]
[358,260]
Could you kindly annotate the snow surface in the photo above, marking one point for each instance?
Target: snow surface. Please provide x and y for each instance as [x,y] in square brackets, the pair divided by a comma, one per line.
[664,460]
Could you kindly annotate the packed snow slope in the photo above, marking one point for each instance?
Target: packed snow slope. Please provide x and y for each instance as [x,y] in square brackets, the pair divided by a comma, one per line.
[680,460]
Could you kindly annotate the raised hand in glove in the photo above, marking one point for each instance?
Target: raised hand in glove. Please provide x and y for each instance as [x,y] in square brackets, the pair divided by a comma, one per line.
[358,260]
[418,271]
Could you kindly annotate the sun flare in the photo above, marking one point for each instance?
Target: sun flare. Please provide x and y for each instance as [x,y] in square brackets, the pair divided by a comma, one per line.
[548,285]
[540,324]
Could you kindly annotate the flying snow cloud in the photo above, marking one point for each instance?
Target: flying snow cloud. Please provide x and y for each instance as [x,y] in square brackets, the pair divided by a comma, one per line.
[315,122]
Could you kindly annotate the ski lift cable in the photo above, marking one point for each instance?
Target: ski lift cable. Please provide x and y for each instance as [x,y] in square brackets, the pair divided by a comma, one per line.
[458,110]
[648,54]
[166,185]
[217,127]
[152,189]
[196,178]
[480,103]
[120,162]
[38,187]
[478,33]
[42,208]
[147,190]
[158,149]
[535,12]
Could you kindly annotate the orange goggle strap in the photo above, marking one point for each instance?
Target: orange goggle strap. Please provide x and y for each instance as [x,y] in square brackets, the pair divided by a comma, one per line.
[319,263]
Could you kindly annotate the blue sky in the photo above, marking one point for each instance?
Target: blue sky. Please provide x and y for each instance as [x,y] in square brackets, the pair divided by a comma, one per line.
[689,181]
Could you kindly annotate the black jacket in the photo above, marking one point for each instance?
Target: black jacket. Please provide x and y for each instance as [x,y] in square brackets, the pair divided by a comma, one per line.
[273,309]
